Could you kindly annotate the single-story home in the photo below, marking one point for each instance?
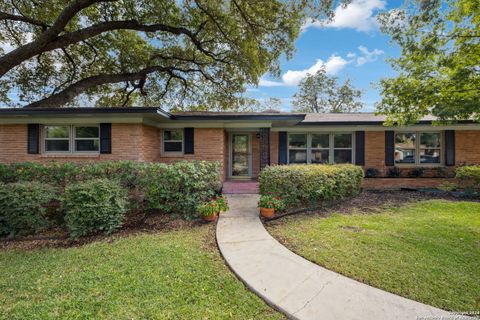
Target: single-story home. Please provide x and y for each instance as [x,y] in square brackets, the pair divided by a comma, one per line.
[243,142]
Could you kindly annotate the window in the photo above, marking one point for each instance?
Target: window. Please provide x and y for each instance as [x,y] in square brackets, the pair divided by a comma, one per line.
[173,140]
[57,138]
[87,139]
[72,139]
[297,148]
[320,148]
[418,148]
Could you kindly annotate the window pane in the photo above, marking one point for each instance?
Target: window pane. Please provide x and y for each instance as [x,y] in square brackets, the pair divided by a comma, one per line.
[56,132]
[56,145]
[343,140]
[342,156]
[320,156]
[404,155]
[430,140]
[87,145]
[320,140]
[430,156]
[405,140]
[172,147]
[86,132]
[173,135]
[297,140]
[298,156]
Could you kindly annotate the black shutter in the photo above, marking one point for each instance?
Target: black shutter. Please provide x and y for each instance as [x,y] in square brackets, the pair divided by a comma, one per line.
[389,148]
[449,147]
[33,145]
[282,147]
[360,148]
[105,138]
[188,140]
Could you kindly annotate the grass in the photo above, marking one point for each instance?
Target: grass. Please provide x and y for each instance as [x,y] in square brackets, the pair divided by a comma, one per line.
[427,251]
[171,275]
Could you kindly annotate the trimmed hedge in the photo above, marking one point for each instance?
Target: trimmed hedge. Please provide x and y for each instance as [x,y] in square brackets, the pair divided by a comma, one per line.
[181,187]
[176,188]
[309,185]
[23,207]
[470,175]
[94,206]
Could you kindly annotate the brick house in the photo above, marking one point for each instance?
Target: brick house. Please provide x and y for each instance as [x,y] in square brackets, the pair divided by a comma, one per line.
[242,142]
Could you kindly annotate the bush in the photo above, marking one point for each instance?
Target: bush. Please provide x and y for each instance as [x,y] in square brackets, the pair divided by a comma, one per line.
[416,172]
[470,176]
[307,185]
[94,206]
[23,207]
[372,173]
[181,187]
[394,172]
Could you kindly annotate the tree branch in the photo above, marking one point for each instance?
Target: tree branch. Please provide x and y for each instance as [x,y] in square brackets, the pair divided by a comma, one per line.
[17,56]
[30,50]
[79,87]
[13,17]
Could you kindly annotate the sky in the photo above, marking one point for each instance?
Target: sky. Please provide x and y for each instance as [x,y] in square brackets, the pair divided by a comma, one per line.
[350,46]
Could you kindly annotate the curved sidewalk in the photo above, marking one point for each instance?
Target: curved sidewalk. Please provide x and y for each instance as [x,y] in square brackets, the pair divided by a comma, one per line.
[296,286]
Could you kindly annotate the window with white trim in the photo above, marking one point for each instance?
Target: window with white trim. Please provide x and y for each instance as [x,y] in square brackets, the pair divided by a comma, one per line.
[418,148]
[320,148]
[68,139]
[173,140]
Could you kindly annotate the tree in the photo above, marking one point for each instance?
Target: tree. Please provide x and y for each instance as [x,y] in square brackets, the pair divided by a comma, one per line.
[322,93]
[144,52]
[439,65]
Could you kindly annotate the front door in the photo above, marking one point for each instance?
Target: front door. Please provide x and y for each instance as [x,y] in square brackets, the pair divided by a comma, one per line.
[240,155]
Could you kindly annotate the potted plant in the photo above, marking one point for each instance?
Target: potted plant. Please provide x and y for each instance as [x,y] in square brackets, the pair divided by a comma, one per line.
[209,210]
[269,204]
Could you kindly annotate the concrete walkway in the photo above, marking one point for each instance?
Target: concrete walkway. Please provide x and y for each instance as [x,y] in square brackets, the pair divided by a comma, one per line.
[295,286]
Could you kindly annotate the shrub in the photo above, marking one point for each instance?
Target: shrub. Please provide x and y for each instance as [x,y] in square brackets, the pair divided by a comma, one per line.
[23,207]
[372,173]
[310,184]
[394,172]
[181,187]
[271,202]
[469,176]
[416,172]
[94,206]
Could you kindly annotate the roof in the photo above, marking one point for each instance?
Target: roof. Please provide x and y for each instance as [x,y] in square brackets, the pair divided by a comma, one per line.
[301,119]
[212,115]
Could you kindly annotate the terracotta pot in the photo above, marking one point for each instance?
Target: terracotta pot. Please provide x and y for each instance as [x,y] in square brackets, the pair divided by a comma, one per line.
[210,218]
[267,212]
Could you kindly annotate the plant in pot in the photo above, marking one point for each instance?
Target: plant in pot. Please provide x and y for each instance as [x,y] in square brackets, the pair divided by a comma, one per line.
[209,210]
[269,204]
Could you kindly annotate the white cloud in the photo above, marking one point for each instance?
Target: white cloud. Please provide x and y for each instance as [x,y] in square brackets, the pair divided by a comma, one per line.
[358,15]
[332,66]
[268,83]
[368,56]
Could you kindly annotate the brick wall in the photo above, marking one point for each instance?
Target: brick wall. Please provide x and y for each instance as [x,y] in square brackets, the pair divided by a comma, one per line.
[375,150]
[209,144]
[273,148]
[467,147]
[255,155]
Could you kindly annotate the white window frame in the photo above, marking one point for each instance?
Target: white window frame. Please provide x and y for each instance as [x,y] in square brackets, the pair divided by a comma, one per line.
[74,139]
[71,139]
[417,149]
[164,141]
[331,146]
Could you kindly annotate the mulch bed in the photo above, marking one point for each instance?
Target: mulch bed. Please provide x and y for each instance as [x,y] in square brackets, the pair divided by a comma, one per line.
[135,224]
[368,202]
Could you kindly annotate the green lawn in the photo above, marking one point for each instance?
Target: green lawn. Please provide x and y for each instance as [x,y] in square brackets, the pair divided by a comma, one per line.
[170,275]
[427,251]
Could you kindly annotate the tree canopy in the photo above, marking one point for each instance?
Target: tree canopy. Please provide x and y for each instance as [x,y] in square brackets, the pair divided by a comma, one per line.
[439,64]
[144,52]
[320,93]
